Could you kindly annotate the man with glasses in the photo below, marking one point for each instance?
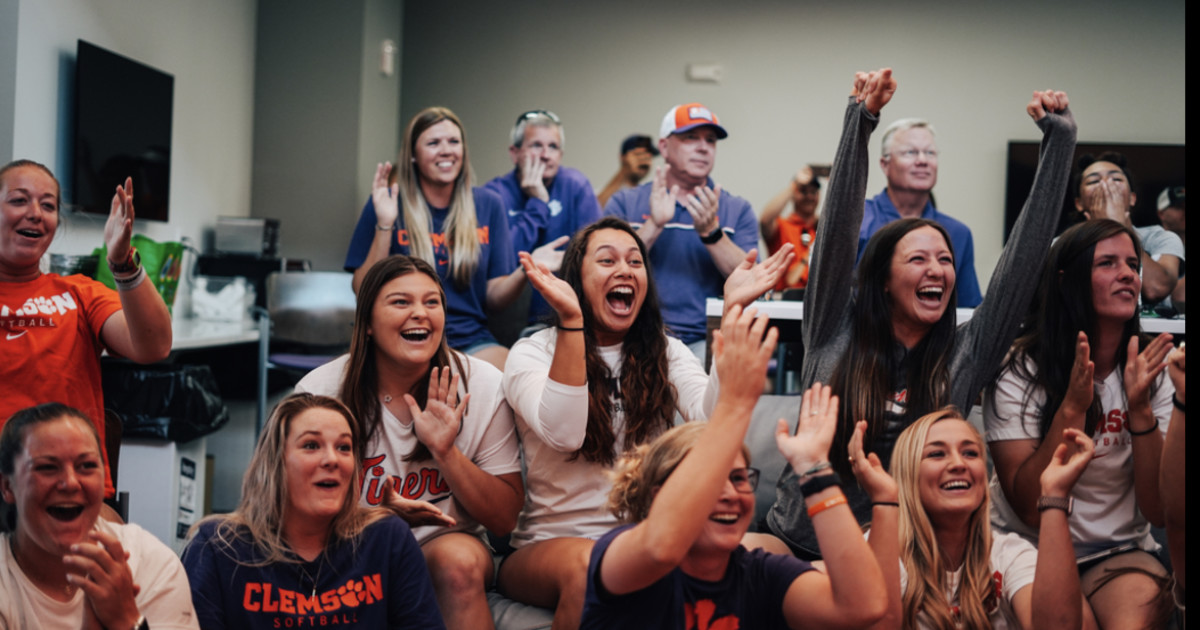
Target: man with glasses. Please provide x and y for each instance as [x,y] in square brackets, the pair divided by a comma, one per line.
[546,202]
[910,162]
[697,233]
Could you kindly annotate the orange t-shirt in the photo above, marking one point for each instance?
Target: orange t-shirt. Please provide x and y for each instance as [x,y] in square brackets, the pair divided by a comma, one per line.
[791,229]
[50,350]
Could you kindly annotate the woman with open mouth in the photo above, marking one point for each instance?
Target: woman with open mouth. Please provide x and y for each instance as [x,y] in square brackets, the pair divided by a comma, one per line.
[61,564]
[54,328]
[1083,364]
[427,207]
[687,499]
[300,551]
[439,445]
[944,566]
[885,338]
[604,379]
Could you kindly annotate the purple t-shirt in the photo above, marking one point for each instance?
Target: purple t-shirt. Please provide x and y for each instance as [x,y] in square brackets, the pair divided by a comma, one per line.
[749,596]
[466,321]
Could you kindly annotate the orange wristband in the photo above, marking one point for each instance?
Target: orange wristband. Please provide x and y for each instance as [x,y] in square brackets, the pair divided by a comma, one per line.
[826,504]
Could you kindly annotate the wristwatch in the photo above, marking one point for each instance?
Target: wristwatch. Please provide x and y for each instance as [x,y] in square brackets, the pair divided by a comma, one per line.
[713,237]
[1066,504]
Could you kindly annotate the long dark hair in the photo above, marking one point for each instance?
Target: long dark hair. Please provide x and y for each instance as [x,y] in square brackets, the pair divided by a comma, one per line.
[648,396]
[1064,306]
[360,387]
[863,376]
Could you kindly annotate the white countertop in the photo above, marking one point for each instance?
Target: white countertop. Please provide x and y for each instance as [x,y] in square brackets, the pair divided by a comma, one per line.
[191,333]
[790,309]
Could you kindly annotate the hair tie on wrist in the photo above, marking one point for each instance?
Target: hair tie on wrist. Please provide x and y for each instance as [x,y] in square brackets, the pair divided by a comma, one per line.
[1178,405]
[894,504]
[385,229]
[1146,432]
[826,504]
[570,329]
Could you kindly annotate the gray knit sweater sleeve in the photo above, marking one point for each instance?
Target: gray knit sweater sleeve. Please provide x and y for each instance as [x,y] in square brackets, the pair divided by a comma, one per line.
[981,343]
[829,296]
[828,299]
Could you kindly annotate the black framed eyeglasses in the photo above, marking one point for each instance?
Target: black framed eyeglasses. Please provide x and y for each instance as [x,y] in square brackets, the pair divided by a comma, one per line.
[534,113]
[744,480]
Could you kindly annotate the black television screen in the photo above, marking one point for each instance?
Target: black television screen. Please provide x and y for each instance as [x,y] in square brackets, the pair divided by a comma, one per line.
[122,129]
[1154,167]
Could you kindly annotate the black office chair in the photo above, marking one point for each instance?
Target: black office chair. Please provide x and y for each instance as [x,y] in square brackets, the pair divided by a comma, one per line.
[312,319]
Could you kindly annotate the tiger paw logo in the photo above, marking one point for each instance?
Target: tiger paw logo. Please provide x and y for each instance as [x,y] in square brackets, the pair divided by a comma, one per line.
[353,593]
[699,616]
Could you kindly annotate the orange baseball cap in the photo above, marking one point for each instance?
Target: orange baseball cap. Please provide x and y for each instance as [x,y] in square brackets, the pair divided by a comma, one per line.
[688,116]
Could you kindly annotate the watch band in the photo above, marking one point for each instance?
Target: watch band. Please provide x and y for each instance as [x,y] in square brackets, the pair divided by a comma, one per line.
[1066,504]
[817,483]
[713,237]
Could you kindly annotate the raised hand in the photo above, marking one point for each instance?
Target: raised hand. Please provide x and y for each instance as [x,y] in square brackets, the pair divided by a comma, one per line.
[532,170]
[1045,102]
[118,229]
[549,255]
[557,292]
[99,567]
[1175,370]
[749,280]
[415,513]
[1080,388]
[875,88]
[385,198]
[869,471]
[804,177]
[702,204]
[814,433]
[1067,464]
[741,352]
[662,201]
[438,424]
[1142,369]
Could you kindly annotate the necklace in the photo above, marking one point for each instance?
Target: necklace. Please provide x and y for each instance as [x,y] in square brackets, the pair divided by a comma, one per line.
[313,580]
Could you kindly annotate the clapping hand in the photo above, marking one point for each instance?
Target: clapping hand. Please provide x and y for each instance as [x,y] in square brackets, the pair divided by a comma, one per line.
[415,513]
[385,198]
[749,280]
[1142,369]
[1175,370]
[438,424]
[1067,464]
[818,420]
[662,200]
[702,204]
[99,567]
[559,295]
[869,471]
[1080,389]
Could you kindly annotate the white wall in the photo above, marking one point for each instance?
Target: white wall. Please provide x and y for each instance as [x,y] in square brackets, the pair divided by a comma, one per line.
[613,68]
[208,46]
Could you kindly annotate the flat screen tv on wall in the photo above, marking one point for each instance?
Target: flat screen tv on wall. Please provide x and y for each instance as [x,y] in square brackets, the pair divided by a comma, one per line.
[122,129]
